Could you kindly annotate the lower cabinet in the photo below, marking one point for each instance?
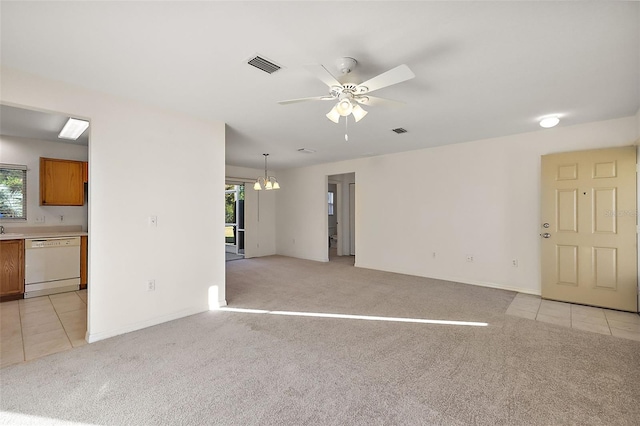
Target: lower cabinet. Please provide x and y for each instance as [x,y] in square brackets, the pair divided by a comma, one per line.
[11,268]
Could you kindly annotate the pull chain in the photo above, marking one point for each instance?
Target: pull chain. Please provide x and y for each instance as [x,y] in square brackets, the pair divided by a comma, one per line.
[346,128]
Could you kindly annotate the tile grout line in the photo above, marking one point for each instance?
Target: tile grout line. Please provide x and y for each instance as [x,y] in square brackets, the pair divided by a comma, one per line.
[61,324]
[24,350]
[571,316]
[606,319]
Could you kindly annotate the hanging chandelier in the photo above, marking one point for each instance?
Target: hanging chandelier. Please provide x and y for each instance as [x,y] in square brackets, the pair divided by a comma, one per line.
[267,182]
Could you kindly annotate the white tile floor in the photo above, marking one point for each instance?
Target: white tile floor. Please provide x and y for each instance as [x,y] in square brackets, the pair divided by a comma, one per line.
[33,328]
[597,320]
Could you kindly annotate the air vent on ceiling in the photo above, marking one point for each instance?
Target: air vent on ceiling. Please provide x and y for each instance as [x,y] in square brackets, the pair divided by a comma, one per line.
[399,130]
[307,150]
[263,64]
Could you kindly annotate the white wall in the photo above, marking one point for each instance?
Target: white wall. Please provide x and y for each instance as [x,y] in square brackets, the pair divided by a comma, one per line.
[144,161]
[638,198]
[259,212]
[28,152]
[479,198]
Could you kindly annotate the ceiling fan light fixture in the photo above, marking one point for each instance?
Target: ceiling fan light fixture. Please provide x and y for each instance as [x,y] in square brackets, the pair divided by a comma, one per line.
[334,115]
[358,112]
[344,107]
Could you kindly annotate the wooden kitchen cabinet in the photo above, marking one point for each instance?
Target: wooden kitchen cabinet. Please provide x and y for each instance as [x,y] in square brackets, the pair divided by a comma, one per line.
[83,262]
[11,269]
[85,172]
[61,182]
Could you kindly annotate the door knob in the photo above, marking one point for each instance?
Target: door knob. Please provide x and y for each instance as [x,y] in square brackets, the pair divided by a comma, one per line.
[546,235]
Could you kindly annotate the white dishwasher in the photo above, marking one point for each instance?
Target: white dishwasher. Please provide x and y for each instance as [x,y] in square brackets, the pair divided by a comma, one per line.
[52,265]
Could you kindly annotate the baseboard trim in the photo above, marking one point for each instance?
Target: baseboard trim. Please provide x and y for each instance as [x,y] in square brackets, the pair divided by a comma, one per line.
[95,337]
[313,259]
[462,281]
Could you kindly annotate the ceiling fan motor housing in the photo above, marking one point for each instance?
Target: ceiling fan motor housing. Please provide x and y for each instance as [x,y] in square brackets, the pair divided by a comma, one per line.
[346,65]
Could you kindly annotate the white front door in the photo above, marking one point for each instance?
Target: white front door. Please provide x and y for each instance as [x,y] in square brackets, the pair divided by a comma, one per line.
[588,229]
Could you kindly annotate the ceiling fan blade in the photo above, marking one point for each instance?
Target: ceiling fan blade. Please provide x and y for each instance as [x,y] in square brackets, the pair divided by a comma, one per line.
[393,76]
[375,101]
[315,98]
[323,74]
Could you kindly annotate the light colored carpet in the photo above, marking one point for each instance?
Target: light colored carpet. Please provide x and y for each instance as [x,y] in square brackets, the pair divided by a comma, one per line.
[233,256]
[233,368]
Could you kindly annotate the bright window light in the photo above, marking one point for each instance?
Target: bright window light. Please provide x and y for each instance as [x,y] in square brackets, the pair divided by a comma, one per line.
[357,317]
[73,129]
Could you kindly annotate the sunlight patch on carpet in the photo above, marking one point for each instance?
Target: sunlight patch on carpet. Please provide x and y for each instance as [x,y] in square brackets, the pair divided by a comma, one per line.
[356,317]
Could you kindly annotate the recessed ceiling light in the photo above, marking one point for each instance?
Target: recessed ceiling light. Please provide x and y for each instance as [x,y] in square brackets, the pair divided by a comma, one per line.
[549,122]
[73,129]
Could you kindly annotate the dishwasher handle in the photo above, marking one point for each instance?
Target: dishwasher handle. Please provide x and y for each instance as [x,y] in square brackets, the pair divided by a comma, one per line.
[42,243]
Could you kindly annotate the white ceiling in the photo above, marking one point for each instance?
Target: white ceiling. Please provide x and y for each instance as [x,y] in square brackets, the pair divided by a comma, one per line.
[26,123]
[484,69]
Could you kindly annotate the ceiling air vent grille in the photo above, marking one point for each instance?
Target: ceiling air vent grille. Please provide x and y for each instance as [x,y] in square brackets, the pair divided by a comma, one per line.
[399,130]
[263,64]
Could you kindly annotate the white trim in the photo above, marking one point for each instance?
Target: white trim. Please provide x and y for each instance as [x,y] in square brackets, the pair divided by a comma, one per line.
[314,259]
[94,337]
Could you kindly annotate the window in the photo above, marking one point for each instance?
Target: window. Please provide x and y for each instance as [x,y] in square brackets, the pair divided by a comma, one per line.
[13,191]
[330,200]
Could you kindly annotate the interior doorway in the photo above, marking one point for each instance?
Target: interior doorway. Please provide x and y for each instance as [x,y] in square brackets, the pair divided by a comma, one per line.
[341,226]
[234,231]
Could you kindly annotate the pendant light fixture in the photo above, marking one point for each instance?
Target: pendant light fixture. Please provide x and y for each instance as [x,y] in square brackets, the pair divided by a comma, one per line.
[267,182]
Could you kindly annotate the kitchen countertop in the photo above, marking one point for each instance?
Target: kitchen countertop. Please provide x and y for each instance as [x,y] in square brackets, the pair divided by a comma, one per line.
[24,236]
[25,232]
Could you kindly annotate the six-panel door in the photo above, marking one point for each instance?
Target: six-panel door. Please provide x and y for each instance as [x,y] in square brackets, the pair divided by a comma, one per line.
[589,252]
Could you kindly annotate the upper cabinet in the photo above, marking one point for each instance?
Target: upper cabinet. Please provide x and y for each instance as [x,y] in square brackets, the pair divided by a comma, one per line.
[61,182]
[85,172]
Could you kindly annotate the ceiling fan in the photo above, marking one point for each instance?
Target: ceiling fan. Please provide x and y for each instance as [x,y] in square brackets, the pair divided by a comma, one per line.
[351,96]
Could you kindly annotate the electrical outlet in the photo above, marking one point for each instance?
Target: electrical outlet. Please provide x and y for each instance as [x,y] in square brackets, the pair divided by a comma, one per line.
[514,263]
[151,285]
[434,255]
[153,221]
[61,218]
[40,219]
[469,258]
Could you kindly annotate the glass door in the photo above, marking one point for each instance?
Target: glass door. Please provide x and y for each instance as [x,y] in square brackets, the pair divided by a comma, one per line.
[234,219]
